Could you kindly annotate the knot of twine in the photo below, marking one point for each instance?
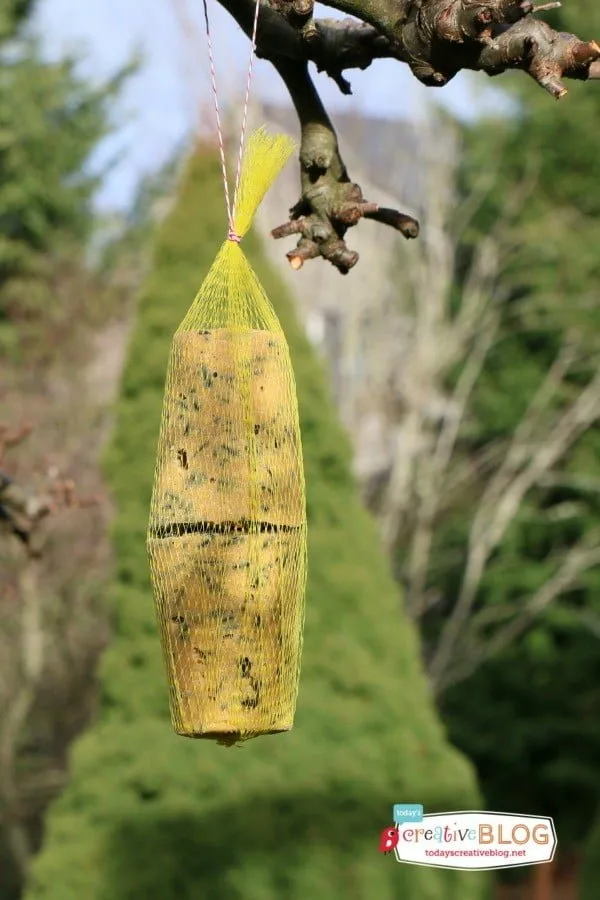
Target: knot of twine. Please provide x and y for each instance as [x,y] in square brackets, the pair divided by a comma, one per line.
[231,233]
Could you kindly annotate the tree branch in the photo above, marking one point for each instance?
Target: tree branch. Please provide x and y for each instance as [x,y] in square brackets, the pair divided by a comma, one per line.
[526,462]
[330,202]
[436,38]
[22,509]
[546,55]
[579,559]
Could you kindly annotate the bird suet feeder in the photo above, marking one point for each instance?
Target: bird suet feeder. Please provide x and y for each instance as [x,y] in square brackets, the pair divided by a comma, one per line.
[227,531]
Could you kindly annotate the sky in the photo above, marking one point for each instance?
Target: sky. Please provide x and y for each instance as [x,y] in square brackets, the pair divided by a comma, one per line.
[160,106]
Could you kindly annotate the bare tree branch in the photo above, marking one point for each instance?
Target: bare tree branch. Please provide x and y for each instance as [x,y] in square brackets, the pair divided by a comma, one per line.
[22,509]
[432,484]
[436,38]
[578,560]
[330,202]
[419,478]
[426,473]
[525,464]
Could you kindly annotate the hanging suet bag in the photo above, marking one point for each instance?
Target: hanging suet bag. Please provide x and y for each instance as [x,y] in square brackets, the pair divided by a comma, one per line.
[227,530]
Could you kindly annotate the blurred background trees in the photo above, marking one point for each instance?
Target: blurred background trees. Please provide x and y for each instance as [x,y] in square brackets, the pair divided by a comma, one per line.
[63,325]
[465,370]
[172,818]
[469,383]
[487,488]
[51,121]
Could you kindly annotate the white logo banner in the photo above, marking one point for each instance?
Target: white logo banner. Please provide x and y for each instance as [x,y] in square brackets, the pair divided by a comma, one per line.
[476,840]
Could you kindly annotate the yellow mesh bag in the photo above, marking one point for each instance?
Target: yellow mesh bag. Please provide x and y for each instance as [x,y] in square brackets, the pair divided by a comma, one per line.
[227,529]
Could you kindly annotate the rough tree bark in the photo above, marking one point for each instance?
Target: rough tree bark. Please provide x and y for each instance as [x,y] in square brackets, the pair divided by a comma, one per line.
[436,39]
[22,545]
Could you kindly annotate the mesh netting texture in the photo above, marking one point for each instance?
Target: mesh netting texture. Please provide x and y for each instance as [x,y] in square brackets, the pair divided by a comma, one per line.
[227,530]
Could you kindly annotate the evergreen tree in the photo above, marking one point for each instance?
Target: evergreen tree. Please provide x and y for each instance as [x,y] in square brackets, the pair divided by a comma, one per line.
[150,815]
[13,13]
[51,120]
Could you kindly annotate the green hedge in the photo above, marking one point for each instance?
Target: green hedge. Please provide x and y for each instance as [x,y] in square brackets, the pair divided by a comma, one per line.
[152,816]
